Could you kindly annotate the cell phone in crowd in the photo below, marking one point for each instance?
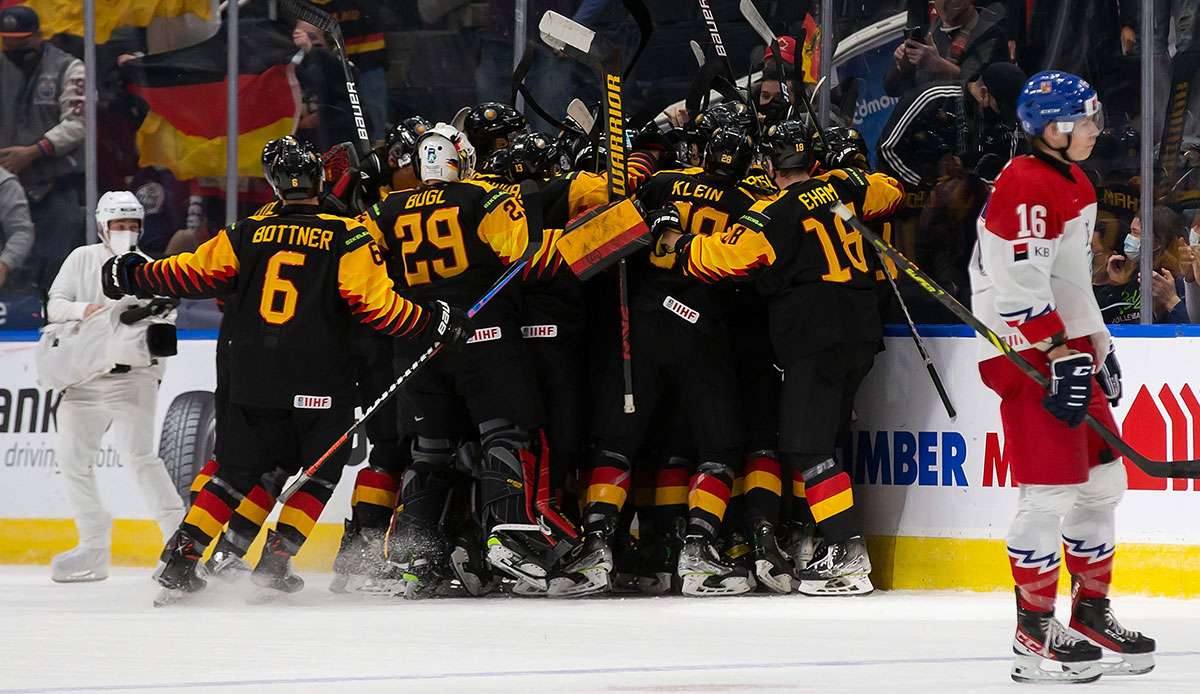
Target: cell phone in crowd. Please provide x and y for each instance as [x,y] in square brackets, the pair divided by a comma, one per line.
[916,33]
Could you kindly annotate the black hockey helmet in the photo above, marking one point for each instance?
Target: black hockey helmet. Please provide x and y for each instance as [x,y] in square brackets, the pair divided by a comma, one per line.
[490,121]
[723,115]
[728,153]
[535,155]
[496,163]
[402,138]
[793,145]
[846,149]
[293,168]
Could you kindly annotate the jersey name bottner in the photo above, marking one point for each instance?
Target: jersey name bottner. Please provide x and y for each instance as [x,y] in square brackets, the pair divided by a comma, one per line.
[294,235]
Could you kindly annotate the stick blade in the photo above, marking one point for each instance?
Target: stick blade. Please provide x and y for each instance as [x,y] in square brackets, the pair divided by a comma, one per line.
[581,114]
[560,33]
[755,19]
[460,118]
[697,52]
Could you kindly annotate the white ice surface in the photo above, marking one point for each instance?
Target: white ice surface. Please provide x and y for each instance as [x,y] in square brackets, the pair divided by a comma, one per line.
[107,637]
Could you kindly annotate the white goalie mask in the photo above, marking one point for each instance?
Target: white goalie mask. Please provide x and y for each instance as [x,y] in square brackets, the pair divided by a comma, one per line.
[443,154]
[114,205]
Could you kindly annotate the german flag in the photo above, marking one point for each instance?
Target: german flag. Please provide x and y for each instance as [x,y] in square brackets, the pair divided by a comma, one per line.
[184,130]
[66,16]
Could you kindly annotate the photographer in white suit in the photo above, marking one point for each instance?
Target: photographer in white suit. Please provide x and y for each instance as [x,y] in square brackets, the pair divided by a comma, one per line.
[109,358]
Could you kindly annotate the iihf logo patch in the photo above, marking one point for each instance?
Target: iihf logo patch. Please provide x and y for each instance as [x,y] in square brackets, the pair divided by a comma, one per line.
[1020,251]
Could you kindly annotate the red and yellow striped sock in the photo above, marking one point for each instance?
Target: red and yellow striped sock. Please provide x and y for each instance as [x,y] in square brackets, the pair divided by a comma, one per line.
[374,498]
[832,503]
[608,487]
[764,489]
[708,497]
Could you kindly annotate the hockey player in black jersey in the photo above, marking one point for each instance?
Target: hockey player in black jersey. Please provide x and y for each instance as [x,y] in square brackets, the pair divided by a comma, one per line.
[451,238]
[824,324]
[300,279]
[682,357]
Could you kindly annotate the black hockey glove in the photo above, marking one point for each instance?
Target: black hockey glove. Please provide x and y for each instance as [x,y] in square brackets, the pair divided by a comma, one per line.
[1070,388]
[1109,377]
[447,324]
[157,307]
[116,276]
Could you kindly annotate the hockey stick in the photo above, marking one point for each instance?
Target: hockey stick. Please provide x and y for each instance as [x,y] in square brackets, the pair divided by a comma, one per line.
[582,115]
[697,53]
[1175,469]
[921,348]
[760,26]
[530,195]
[305,11]
[581,43]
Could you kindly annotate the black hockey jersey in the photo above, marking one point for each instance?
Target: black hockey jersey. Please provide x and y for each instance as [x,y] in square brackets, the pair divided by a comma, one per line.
[299,278]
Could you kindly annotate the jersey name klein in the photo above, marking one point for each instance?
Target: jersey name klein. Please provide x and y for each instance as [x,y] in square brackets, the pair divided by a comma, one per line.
[294,235]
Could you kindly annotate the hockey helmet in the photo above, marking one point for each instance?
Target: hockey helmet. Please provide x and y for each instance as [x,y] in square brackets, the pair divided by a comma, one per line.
[443,154]
[793,145]
[534,155]
[845,148]
[490,121]
[496,163]
[293,168]
[728,153]
[723,115]
[402,138]
[114,205]
[1060,98]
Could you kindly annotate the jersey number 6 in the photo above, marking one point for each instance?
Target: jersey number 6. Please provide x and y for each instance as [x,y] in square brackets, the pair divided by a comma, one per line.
[277,291]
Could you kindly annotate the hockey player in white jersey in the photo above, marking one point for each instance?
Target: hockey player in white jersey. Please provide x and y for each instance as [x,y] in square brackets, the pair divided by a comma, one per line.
[123,398]
[1031,284]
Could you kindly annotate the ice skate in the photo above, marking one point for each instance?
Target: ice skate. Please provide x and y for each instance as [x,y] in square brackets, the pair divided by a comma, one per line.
[660,558]
[838,568]
[514,555]
[226,563]
[80,565]
[274,575]
[423,577]
[588,570]
[471,568]
[1092,619]
[771,566]
[1040,638]
[801,543]
[626,558]
[704,573]
[176,571]
[360,552]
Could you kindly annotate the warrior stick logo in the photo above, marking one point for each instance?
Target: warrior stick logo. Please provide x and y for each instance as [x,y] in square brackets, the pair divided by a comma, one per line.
[713,32]
[616,134]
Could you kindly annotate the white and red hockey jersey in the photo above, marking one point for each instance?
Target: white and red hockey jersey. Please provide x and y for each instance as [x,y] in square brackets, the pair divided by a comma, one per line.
[1031,271]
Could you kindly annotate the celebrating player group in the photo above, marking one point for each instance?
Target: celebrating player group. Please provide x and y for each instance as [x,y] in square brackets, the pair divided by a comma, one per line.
[623,361]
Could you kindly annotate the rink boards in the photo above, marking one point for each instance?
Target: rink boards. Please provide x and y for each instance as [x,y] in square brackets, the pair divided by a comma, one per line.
[936,494]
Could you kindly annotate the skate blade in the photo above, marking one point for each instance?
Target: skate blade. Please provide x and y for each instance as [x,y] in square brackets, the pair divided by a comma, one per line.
[776,584]
[1127,665]
[842,585]
[524,589]
[504,559]
[694,585]
[591,581]
[79,577]
[169,596]
[1027,669]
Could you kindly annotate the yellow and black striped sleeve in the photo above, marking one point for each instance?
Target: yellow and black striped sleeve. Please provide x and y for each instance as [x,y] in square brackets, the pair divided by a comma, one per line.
[881,193]
[364,285]
[210,270]
[734,253]
[639,167]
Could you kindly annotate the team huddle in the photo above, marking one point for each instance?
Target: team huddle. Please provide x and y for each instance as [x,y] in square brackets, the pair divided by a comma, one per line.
[666,422]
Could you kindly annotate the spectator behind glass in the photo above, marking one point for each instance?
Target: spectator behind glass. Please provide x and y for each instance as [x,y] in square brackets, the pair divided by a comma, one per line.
[1191,275]
[1118,289]
[326,118]
[363,33]
[961,41]
[16,229]
[41,130]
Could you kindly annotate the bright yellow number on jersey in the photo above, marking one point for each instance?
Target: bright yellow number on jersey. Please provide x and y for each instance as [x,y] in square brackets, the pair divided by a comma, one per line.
[887,262]
[836,273]
[443,231]
[701,220]
[852,242]
[274,285]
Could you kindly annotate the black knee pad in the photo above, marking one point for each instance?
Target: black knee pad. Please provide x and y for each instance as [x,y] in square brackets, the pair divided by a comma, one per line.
[721,471]
[502,477]
[425,483]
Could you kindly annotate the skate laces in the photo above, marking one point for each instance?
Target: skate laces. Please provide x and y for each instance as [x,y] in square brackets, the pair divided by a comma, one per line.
[1113,625]
[1057,635]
